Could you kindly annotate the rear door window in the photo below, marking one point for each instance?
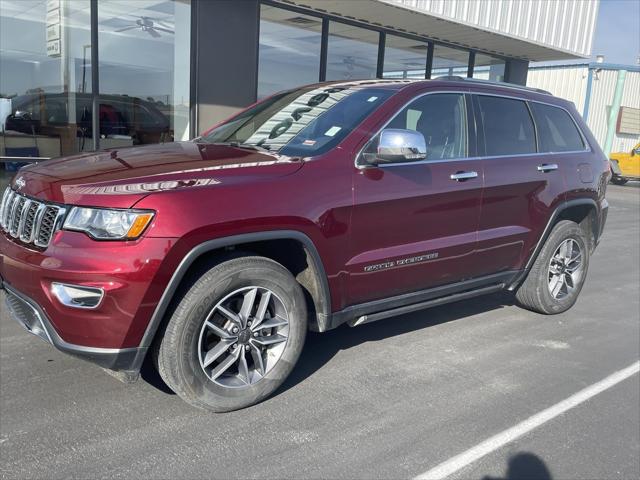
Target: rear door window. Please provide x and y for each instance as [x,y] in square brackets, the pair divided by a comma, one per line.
[557,132]
[508,127]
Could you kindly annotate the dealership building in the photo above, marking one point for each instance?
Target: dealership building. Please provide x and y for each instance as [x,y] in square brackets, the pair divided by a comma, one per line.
[163,70]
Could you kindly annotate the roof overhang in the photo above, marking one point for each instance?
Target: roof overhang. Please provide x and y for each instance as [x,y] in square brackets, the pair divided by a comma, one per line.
[437,28]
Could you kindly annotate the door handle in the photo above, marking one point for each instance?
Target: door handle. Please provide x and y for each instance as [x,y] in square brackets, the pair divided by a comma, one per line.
[547,167]
[463,176]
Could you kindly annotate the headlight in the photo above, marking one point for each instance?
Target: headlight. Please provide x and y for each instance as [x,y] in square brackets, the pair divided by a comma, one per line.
[106,224]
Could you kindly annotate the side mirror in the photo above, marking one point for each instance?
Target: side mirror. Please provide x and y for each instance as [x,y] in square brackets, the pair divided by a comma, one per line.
[397,146]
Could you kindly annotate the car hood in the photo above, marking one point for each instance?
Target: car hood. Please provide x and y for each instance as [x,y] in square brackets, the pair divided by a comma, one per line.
[119,178]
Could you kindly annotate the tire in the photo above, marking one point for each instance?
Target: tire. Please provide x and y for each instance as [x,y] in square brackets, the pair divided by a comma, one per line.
[191,353]
[619,180]
[537,292]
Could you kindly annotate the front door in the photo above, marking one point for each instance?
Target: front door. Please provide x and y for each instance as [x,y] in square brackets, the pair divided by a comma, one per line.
[414,224]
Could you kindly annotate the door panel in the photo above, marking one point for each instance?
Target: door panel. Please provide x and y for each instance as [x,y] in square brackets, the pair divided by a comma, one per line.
[518,196]
[517,202]
[413,226]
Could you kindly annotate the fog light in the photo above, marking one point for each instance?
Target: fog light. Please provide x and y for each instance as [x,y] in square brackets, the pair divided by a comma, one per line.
[77,296]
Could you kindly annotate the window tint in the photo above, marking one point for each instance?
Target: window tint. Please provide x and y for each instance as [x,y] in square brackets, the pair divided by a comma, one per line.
[556,130]
[508,129]
[441,118]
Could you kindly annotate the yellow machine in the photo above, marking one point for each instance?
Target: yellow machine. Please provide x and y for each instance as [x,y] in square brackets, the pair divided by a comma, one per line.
[625,166]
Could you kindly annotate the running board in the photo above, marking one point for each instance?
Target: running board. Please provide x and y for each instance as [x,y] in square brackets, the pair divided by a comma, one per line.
[422,305]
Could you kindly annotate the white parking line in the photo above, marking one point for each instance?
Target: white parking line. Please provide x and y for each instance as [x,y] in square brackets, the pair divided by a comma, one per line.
[497,441]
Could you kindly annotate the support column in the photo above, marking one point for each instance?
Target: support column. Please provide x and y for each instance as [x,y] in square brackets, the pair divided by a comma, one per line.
[225,58]
[516,72]
[613,113]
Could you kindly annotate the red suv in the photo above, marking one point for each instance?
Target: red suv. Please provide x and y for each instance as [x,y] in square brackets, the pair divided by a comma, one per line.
[329,204]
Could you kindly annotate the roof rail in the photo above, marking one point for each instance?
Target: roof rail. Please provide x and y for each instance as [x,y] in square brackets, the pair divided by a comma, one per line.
[456,78]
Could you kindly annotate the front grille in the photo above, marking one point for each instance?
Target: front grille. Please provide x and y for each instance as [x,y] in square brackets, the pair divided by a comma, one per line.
[29,220]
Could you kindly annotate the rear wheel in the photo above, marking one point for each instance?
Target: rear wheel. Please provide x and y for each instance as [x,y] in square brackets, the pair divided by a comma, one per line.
[558,274]
[235,335]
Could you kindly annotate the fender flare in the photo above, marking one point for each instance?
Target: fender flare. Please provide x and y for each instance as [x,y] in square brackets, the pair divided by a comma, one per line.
[323,309]
[547,231]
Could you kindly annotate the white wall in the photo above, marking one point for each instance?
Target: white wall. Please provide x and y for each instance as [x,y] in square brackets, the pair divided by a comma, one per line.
[570,82]
[563,24]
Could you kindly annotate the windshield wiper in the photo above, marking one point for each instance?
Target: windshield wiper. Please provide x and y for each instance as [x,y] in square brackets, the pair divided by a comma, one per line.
[247,146]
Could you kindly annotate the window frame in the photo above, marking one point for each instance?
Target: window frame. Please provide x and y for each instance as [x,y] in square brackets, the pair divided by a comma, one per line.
[480,128]
[583,139]
[480,123]
[475,131]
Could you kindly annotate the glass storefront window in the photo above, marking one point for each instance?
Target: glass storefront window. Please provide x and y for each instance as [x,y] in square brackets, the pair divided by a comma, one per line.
[488,68]
[144,71]
[449,62]
[289,51]
[45,69]
[404,58]
[352,52]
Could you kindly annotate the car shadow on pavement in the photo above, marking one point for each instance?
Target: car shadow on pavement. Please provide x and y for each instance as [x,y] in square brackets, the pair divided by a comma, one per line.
[150,375]
[322,347]
[524,466]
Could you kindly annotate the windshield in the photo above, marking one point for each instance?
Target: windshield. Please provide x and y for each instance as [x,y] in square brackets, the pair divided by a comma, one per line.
[303,122]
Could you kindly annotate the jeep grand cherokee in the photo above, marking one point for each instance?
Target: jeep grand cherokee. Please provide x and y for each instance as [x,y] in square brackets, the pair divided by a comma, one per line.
[334,203]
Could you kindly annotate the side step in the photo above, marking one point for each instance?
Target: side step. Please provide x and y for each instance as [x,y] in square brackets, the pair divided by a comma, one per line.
[422,305]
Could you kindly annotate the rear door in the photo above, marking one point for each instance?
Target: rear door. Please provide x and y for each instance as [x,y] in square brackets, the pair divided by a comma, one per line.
[413,225]
[522,186]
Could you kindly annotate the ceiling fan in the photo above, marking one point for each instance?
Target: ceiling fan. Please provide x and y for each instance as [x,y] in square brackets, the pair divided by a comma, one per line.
[149,25]
[351,63]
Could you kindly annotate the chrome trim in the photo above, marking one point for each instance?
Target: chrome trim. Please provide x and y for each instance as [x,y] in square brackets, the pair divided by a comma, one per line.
[13,219]
[30,238]
[5,198]
[59,290]
[53,336]
[37,220]
[463,176]
[23,217]
[547,167]
[365,165]
[54,227]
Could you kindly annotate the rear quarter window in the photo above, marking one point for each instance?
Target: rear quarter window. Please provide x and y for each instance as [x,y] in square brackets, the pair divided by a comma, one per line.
[557,131]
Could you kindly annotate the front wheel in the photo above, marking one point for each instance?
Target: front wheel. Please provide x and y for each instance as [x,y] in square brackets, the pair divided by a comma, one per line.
[558,273]
[235,336]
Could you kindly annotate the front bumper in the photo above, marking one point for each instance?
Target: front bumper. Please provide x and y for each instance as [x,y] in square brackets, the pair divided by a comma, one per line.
[29,315]
[131,275]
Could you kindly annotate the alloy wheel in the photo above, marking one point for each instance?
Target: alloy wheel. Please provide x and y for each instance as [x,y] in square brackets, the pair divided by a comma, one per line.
[243,337]
[565,269]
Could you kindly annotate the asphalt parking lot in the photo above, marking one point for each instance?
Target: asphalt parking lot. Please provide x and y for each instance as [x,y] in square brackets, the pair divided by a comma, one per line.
[391,399]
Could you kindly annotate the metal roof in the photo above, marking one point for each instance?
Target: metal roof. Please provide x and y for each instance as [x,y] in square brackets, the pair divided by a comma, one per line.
[592,65]
[536,31]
